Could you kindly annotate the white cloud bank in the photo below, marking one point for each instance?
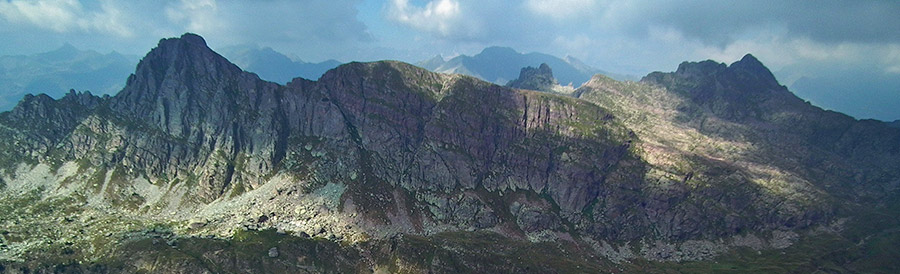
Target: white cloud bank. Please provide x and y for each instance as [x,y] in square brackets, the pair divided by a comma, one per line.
[65,16]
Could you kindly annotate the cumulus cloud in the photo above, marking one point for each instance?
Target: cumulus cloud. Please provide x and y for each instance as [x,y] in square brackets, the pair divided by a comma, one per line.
[443,18]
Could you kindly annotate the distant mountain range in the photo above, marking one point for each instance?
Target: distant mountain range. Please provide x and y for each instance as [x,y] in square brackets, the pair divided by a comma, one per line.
[274,66]
[501,65]
[860,93]
[55,72]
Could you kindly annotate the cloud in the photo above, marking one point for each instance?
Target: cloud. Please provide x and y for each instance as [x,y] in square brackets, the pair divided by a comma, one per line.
[721,22]
[442,18]
[317,29]
[793,38]
[65,16]
[561,9]
[196,16]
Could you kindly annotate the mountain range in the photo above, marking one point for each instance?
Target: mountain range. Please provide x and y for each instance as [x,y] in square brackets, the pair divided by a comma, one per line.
[56,72]
[501,64]
[274,66]
[874,94]
[199,166]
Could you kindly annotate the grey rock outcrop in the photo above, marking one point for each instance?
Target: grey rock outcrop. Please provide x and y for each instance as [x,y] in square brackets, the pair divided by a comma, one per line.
[540,79]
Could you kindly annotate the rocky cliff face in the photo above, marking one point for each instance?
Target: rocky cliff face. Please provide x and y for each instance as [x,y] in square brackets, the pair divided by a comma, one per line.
[677,167]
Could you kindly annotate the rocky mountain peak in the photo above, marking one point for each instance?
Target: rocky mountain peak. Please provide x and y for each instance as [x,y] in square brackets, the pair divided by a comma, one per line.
[745,89]
[175,68]
[749,61]
[699,69]
[545,69]
[434,62]
[748,70]
[749,65]
[540,78]
[42,106]
[185,89]
[31,106]
[192,39]
[188,52]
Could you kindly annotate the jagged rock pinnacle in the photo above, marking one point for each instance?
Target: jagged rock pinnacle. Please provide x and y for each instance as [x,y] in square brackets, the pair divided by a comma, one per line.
[540,78]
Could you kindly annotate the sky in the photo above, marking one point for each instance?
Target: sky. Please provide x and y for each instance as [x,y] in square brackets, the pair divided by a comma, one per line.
[798,40]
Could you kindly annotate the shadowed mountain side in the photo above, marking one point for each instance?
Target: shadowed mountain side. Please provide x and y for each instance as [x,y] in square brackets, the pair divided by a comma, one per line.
[739,117]
[744,102]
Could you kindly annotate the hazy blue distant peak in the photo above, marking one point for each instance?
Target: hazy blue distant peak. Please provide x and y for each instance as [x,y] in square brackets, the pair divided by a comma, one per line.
[499,51]
[65,50]
[433,63]
[578,63]
[275,66]
[501,64]
[859,92]
[57,71]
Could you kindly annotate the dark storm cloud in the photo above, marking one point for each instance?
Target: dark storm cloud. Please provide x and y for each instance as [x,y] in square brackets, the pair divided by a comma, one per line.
[721,22]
